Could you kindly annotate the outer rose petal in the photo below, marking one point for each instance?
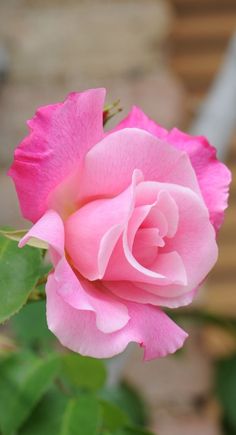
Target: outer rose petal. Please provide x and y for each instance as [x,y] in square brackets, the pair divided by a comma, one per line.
[49,229]
[213,176]
[77,330]
[137,118]
[60,136]
[110,313]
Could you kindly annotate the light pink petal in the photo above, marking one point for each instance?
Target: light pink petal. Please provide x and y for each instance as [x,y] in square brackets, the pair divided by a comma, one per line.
[132,292]
[168,207]
[111,314]
[49,229]
[146,243]
[213,176]
[195,237]
[93,231]
[77,329]
[122,152]
[136,220]
[148,237]
[123,266]
[60,135]
[168,268]
[154,219]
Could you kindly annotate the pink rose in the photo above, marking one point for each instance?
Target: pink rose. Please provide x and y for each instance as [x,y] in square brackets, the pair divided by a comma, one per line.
[129,216]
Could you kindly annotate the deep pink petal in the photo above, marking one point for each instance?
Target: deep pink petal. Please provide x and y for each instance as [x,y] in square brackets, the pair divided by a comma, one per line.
[77,329]
[60,135]
[137,119]
[213,176]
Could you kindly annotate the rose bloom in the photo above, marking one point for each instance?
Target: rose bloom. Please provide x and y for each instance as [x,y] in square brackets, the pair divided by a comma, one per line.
[130,217]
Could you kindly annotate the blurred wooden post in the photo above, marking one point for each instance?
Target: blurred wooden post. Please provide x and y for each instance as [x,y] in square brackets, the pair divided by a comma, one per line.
[217,117]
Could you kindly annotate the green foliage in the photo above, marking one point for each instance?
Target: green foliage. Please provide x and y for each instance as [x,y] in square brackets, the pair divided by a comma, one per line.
[30,327]
[23,381]
[114,417]
[46,418]
[226,391]
[19,272]
[82,416]
[47,396]
[17,235]
[83,372]
[134,430]
[127,399]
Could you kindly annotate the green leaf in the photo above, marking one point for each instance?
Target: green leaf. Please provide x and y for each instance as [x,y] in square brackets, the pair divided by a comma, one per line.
[127,398]
[226,388]
[133,430]
[23,381]
[113,417]
[17,235]
[227,428]
[46,418]
[84,372]
[37,337]
[19,272]
[83,416]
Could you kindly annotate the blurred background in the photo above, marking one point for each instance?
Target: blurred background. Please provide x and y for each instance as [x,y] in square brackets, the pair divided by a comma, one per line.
[177,60]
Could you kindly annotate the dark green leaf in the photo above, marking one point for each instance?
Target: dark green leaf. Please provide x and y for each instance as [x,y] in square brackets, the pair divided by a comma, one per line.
[19,272]
[126,398]
[38,336]
[82,416]
[226,388]
[113,417]
[46,418]
[84,372]
[134,430]
[24,378]
[227,428]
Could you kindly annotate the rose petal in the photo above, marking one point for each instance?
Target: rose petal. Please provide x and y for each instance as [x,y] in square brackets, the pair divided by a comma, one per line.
[132,292]
[60,136]
[93,231]
[195,237]
[137,119]
[77,330]
[50,229]
[168,269]
[111,314]
[213,176]
[126,150]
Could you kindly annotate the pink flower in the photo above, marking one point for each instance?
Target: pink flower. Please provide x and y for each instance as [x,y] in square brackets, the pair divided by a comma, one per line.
[130,219]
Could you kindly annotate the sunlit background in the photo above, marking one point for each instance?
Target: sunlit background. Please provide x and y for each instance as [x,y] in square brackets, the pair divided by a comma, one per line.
[169,57]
